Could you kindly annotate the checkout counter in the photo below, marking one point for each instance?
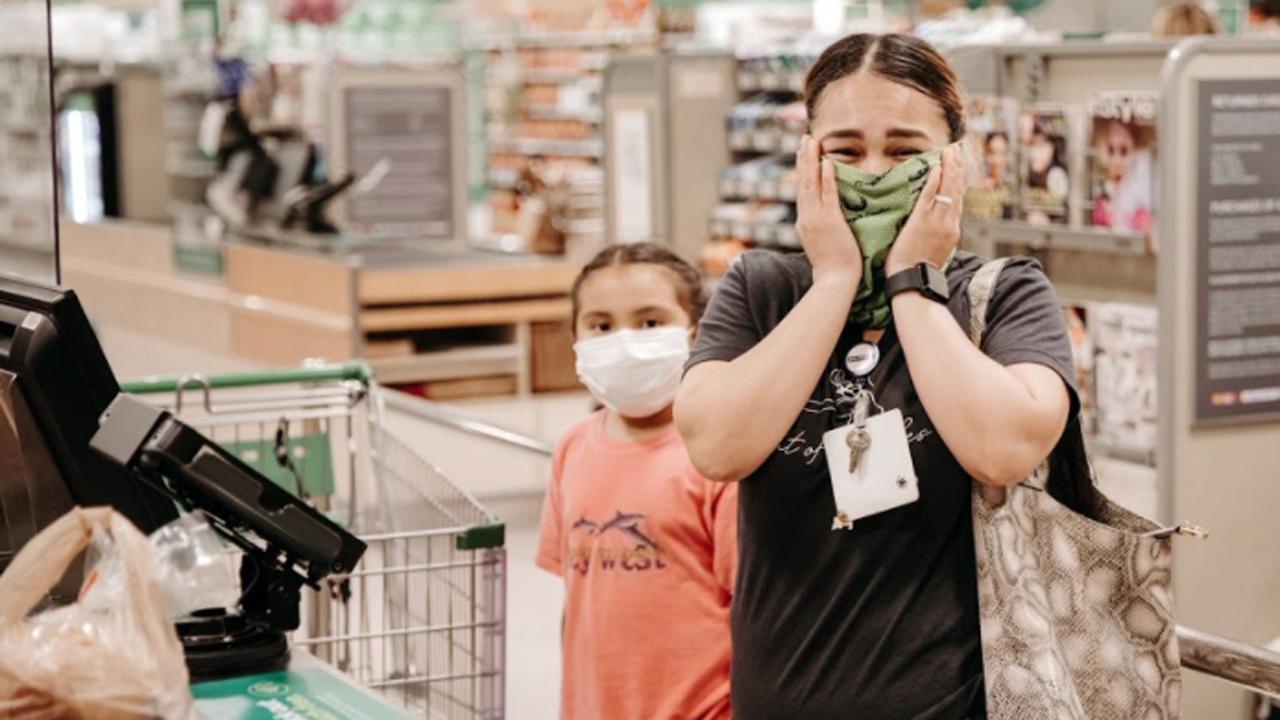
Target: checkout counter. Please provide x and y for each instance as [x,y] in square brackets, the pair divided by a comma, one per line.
[420,315]
[308,690]
[69,437]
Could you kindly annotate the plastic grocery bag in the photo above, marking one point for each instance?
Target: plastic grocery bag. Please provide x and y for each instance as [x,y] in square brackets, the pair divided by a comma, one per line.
[192,569]
[115,658]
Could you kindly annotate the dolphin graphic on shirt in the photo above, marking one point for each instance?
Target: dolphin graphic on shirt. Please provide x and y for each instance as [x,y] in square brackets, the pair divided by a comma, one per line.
[626,523]
[585,524]
[629,525]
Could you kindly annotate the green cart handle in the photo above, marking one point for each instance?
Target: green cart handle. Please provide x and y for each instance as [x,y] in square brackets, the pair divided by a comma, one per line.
[354,370]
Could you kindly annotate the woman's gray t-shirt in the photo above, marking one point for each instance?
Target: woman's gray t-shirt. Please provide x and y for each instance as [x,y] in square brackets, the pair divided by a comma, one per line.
[880,622]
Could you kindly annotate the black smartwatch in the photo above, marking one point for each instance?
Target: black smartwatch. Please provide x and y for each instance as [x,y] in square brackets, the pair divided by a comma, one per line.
[922,278]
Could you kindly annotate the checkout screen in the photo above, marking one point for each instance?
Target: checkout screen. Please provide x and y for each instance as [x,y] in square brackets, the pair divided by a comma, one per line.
[33,492]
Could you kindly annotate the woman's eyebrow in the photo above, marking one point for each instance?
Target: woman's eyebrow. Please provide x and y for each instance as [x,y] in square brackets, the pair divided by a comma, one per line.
[909,133]
[896,133]
[848,134]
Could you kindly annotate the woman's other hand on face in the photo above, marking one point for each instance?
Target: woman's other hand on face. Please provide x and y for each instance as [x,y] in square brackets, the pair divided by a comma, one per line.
[824,233]
[932,231]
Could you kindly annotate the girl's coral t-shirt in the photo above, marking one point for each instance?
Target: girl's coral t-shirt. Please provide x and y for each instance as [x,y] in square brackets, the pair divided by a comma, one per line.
[647,548]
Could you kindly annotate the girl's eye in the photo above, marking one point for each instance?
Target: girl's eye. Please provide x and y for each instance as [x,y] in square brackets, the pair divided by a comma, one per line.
[650,323]
[600,327]
[905,152]
[844,153]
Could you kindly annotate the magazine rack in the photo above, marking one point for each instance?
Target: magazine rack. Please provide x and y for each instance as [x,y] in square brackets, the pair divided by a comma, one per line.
[1085,263]
[1218,263]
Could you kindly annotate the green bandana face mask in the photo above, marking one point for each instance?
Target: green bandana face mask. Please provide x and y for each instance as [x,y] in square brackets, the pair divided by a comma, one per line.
[876,207]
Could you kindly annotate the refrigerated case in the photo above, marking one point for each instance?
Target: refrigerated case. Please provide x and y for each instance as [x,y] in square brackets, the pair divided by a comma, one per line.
[87,154]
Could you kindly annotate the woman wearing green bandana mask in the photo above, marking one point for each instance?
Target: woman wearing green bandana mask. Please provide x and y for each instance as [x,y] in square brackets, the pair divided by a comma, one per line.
[878,618]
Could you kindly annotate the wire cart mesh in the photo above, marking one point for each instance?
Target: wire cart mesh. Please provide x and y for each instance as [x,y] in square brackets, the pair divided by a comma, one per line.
[422,618]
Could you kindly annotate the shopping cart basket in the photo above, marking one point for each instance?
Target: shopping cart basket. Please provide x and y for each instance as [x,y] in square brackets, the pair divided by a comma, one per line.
[422,619]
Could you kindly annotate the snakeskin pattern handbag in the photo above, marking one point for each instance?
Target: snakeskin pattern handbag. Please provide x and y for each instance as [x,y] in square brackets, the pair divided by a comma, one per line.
[1076,615]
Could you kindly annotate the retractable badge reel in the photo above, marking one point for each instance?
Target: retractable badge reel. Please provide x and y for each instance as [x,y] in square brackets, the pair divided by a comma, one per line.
[869,459]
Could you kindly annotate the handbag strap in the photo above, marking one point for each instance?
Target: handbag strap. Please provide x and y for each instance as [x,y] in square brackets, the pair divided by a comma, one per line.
[981,288]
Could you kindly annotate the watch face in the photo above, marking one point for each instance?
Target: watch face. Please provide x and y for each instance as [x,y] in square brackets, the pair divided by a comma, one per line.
[936,283]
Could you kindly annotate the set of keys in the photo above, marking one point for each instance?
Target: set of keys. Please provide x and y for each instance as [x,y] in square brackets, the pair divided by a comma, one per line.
[858,439]
[860,361]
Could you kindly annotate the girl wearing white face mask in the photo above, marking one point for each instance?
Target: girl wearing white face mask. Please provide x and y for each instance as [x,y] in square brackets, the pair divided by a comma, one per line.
[646,545]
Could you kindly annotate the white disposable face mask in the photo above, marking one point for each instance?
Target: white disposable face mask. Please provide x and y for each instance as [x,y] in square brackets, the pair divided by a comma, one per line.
[635,373]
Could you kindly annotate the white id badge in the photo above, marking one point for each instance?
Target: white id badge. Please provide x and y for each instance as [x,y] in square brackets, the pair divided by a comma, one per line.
[885,477]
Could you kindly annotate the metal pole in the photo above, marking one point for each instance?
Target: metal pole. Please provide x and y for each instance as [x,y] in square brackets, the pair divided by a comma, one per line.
[457,420]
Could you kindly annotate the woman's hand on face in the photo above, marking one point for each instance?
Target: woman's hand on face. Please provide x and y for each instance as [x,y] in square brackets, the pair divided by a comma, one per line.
[933,230]
[824,234]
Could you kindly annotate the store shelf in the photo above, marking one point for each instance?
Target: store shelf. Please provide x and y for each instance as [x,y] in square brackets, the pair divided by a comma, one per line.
[426,317]
[586,226]
[562,148]
[749,81]
[557,76]
[503,179]
[758,191]
[42,246]
[450,364]
[1099,447]
[592,117]
[1157,47]
[764,233]
[763,141]
[195,93]
[1059,237]
[191,168]
[567,40]
[587,202]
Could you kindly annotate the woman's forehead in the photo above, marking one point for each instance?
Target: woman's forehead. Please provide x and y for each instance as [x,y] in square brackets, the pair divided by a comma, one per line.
[873,105]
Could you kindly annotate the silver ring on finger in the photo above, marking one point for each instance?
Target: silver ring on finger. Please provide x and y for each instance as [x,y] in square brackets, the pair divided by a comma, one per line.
[943,200]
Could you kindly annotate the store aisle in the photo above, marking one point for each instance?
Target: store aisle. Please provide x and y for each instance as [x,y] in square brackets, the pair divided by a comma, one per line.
[535,603]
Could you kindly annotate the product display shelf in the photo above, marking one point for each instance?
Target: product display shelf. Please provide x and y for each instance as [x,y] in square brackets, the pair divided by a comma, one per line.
[565,39]
[1043,237]
[758,191]
[437,321]
[771,80]
[189,85]
[543,103]
[26,195]
[1104,277]
[592,148]
[591,116]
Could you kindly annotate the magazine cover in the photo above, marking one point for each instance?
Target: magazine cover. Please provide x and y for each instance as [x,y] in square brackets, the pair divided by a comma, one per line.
[1046,180]
[1122,160]
[1082,353]
[992,139]
[1125,360]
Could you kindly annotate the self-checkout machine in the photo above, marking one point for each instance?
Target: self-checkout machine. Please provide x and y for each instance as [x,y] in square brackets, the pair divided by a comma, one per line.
[1219,373]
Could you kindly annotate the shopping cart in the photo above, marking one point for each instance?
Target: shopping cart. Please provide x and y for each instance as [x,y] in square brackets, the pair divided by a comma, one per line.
[422,619]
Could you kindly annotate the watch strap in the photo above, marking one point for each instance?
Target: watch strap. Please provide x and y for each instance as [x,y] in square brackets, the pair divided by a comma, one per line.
[922,278]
